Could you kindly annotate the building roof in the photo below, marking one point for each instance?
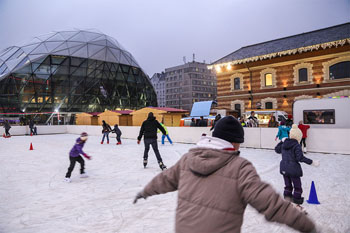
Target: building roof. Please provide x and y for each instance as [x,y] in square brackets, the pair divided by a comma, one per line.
[94,113]
[123,112]
[330,34]
[170,109]
[76,43]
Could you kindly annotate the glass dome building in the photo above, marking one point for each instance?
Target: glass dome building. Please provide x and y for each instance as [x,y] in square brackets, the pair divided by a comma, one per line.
[72,71]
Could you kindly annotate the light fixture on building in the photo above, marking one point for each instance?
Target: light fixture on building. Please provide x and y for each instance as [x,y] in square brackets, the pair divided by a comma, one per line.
[218,69]
[229,67]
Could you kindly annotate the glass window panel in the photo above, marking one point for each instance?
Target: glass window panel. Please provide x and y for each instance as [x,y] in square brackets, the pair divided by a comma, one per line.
[68,34]
[74,44]
[40,49]
[340,70]
[3,68]
[79,37]
[268,105]
[61,47]
[124,60]
[82,52]
[45,37]
[99,42]
[237,83]
[93,49]
[64,52]
[116,53]
[56,37]
[90,35]
[28,49]
[268,79]
[52,45]
[101,55]
[322,116]
[110,57]
[13,63]
[72,50]
[302,75]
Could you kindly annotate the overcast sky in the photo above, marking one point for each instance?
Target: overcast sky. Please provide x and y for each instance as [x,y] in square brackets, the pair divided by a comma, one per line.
[160,32]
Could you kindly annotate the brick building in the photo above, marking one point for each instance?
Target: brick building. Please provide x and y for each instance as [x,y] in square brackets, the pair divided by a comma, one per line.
[273,74]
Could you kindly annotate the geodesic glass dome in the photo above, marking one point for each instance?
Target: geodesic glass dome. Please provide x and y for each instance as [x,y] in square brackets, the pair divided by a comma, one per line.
[72,71]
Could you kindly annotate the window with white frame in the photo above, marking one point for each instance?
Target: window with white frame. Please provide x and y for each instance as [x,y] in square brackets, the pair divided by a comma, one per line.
[336,69]
[303,74]
[268,78]
[236,82]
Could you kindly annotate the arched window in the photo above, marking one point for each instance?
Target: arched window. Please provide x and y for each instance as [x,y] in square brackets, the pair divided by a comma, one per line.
[237,83]
[268,79]
[302,75]
[339,70]
[268,105]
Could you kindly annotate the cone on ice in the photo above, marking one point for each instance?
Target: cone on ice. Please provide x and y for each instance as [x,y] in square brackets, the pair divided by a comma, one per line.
[31,147]
[31,134]
[313,195]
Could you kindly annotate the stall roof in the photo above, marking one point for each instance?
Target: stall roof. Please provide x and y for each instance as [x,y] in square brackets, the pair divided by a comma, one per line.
[94,113]
[170,109]
[123,112]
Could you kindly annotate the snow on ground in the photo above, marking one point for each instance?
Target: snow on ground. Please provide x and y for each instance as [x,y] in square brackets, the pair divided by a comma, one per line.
[34,198]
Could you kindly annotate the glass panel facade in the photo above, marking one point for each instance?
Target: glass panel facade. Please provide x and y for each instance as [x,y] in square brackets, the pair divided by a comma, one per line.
[302,75]
[339,70]
[73,84]
[268,79]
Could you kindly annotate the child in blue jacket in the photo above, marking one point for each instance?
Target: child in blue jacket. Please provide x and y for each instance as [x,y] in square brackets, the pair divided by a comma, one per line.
[283,131]
[290,168]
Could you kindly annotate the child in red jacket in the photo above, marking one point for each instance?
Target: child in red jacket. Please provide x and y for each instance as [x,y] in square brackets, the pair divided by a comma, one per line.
[303,129]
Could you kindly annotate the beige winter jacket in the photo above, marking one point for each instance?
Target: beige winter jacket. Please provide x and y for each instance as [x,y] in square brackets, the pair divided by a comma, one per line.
[215,186]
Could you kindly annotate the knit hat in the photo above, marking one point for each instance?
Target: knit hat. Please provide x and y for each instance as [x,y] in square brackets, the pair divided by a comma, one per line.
[229,129]
[295,133]
[83,136]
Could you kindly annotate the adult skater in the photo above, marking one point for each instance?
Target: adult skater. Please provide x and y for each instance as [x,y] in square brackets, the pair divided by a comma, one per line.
[74,156]
[290,167]
[252,120]
[117,131]
[106,129]
[215,185]
[7,127]
[167,134]
[217,118]
[272,122]
[283,131]
[31,127]
[149,131]
[303,129]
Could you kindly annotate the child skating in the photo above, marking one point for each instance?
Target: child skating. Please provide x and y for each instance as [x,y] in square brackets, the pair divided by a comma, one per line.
[74,156]
[283,131]
[167,134]
[117,131]
[290,168]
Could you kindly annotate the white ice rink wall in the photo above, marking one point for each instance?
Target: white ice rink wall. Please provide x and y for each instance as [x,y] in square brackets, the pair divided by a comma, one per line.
[319,139]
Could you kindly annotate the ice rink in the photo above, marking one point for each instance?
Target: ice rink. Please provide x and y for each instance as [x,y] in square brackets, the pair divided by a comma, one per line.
[34,198]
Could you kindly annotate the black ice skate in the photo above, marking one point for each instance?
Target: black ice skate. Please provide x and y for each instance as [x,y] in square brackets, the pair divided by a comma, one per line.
[162,166]
[145,163]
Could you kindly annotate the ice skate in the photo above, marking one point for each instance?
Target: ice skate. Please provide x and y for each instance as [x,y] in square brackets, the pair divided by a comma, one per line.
[107,142]
[119,143]
[84,175]
[305,150]
[101,142]
[145,163]
[162,166]
[68,180]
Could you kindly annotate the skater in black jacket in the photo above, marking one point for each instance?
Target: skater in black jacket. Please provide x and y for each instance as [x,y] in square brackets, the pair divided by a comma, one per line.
[149,131]
[117,131]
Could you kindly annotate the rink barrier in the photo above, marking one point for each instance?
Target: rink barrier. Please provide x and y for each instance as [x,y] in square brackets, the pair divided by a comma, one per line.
[319,139]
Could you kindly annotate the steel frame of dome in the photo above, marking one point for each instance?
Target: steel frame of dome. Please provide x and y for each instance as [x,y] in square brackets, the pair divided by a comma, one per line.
[74,71]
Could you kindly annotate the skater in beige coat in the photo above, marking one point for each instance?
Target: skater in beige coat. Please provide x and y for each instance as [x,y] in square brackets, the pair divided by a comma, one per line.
[215,185]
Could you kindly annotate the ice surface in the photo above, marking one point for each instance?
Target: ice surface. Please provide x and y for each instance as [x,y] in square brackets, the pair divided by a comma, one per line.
[34,198]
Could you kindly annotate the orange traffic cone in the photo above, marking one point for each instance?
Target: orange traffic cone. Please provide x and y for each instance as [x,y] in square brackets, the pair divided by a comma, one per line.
[31,146]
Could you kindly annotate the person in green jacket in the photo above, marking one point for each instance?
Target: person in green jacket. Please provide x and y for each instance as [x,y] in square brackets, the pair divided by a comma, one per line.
[167,134]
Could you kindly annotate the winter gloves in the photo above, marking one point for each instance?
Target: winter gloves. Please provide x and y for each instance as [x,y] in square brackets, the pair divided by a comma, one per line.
[139,196]
[315,163]
[86,156]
